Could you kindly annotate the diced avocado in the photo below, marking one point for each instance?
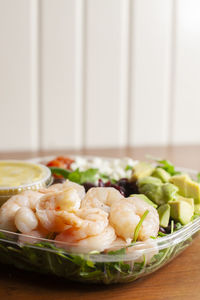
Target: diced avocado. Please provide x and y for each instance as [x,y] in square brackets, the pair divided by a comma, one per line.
[179,181]
[189,200]
[164,215]
[142,169]
[192,190]
[153,191]
[156,191]
[187,187]
[169,191]
[161,174]
[149,180]
[197,209]
[181,211]
[143,197]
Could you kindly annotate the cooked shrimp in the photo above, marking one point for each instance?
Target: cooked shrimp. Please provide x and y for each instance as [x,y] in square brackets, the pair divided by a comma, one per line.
[10,207]
[25,220]
[98,242]
[129,211]
[58,187]
[59,210]
[93,222]
[101,197]
[53,208]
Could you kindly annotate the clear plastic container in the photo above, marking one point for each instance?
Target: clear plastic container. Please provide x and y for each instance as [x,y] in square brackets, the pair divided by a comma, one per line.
[128,264]
[46,256]
[42,179]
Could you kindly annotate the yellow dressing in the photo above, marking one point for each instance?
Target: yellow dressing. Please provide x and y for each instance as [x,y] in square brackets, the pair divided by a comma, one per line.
[17,176]
[14,174]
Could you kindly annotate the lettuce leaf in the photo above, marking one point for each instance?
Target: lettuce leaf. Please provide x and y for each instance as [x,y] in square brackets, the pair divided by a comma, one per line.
[77,176]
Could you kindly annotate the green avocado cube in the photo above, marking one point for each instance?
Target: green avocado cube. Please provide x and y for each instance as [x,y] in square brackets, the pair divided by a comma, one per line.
[158,192]
[179,181]
[193,191]
[169,191]
[142,169]
[149,180]
[164,215]
[153,191]
[188,200]
[181,211]
[187,187]
[161,174]
[143,197]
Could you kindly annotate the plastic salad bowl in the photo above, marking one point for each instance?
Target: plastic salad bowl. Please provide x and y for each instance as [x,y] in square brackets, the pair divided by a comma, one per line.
[124,265]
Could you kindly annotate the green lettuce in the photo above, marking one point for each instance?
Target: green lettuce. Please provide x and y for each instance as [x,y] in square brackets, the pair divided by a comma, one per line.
[45,257]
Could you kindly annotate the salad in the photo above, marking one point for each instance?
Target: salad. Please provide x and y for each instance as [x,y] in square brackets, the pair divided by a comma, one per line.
[101,220]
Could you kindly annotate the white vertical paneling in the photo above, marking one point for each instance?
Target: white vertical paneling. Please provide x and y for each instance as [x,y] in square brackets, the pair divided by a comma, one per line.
[106,73]
[61,123]
[98,73]
[16,102]
[150,68]
[79,72]
[34,72]
[187,73]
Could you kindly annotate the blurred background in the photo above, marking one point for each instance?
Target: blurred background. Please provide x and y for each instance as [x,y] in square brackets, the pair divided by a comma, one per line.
[99,73]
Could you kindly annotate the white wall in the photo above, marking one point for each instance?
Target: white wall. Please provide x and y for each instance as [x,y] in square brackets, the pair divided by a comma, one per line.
[99,73]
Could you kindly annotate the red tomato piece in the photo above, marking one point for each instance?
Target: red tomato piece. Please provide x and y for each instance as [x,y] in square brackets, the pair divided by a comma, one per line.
[68,161]
[61,162]
[56,163]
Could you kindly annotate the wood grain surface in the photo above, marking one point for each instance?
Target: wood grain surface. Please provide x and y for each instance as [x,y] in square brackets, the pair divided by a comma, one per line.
[180,279]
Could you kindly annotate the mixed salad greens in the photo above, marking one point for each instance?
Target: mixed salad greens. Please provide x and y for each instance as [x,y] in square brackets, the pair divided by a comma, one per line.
[45,258]
[174,194]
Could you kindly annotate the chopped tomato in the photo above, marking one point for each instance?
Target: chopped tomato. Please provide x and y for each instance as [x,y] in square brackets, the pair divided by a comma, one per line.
[56,163]
[61,162]
[68,161]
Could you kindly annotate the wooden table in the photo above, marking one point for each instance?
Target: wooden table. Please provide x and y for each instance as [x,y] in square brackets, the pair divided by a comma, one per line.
[180,279]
